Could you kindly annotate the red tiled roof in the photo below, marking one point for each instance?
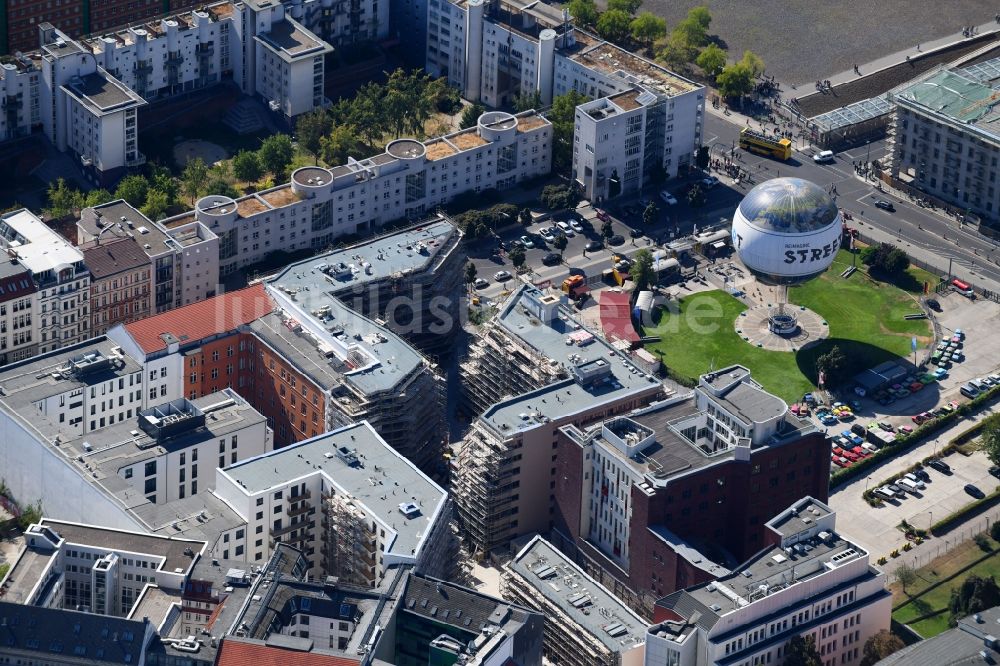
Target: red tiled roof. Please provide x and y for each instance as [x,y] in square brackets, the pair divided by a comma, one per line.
[200,320]
[616,317]
[238,653]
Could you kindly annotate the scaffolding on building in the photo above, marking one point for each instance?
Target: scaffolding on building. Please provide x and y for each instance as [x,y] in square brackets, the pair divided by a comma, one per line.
[350,546]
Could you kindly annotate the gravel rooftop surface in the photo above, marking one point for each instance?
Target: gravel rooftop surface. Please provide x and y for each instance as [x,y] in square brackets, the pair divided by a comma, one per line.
[802,41]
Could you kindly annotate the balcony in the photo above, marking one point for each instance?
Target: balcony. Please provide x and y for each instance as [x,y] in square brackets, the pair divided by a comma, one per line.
[143,67]
[174,59]
[291,527]
[303,508]
[301,496]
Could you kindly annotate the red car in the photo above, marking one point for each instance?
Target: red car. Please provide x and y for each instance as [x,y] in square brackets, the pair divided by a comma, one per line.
[860,452]
[921,418]
[851,455]
[837,451]
[840,461]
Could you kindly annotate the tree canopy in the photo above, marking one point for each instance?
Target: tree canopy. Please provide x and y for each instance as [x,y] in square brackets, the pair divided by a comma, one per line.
[311,128]
[711,60]
[584,12]
[630,7]
[990,439]
[880,646]
[647,27]
[562,115]
[642,269]
[975,594]
[614,25]
[802,652]
[275,153]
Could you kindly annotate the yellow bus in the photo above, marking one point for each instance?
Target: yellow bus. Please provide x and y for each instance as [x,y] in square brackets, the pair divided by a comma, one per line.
[762,144]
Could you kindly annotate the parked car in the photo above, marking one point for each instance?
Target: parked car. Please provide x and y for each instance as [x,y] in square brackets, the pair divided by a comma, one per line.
[922,474]
[547,234]
[566,228]
[480,283]
[859,430]
[527,242]
[913,477]
[969,390]
[908,486]
[616,240]
[884,205]
[636,233]
[933,304]
[594,246]
[974,491]
[552,259]
[900,493]
[995,471]
[709,182]
[502,276]
[668,198]
[939,465]
[576,225]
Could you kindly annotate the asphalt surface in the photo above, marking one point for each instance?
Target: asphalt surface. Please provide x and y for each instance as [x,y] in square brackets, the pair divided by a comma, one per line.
[928,236]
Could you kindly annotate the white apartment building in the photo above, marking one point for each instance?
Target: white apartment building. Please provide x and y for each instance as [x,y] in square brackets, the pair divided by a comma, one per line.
[183,260]
[643,118]
[169,56]
[279,60]
[19,98]
[80,431]
[352,504]
[62,279]
[18,312]
[410,179]
[343,22]
[98,570]
[810,582]
[86,111]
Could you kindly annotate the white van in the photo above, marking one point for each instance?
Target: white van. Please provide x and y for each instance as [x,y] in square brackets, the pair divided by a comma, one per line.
[908,486]
[912,478]
[823,157]
[885,493]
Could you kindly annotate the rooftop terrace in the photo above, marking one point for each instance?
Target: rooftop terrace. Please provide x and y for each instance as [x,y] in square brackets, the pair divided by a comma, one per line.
[958,96]
[615,61]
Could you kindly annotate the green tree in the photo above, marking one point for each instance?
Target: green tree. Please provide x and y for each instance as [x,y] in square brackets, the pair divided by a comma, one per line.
[753,62]
[833,364]
[525,216]
[584,12]
[880,646]
[647,27]
[702,158]
[613,25]
[995,531]
[63,199]
[470,116]
[642,269]
[711,60]
[246,166]
[700,15]
[696,197]
[801,651]
[607,230]
[165,182]
[649,214]
[470,273]
[735,80]
[528,101]
[30,515]
[193,178]
[990,440]
[310,128]
[516,256]
[275,154]
[630,7]
[558,197]
[975,594]
[560,243]
[562,115]
[133,189]
[97,197]
[906,576]
[339,144]
[676,50]
[156,205]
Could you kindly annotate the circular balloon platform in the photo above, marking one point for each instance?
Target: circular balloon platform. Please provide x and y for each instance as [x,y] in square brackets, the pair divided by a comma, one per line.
[790,328]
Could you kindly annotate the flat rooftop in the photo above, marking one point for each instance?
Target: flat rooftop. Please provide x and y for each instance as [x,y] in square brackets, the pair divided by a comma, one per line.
[112,257]
[805,514]
[615,61]
[565,341]
[118,219]
[37,246]
[585,601]
[378,478]
[35,629]
[34,562]
[101,94]
[735,388]
[395,255]
[772,571]
[293,41]
[958,96]
[354,351]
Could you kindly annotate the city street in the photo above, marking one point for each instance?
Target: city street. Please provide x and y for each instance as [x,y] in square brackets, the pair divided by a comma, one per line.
[928,236]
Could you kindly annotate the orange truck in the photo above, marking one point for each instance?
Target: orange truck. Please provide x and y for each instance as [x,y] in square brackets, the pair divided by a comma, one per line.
[574,286]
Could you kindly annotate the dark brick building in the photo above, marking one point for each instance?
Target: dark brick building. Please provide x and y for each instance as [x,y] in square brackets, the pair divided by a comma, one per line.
[676,494]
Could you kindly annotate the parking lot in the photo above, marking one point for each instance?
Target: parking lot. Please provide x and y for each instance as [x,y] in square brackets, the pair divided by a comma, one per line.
[876,528]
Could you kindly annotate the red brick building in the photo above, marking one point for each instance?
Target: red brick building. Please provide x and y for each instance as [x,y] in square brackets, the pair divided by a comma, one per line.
[19,19]
[673,495]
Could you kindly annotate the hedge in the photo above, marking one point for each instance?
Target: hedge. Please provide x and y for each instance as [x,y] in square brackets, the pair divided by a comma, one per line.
[906,442]
[967,511]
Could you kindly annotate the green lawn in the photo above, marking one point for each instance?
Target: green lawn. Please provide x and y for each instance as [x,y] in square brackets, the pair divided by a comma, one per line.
[942,568]
[865,318]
